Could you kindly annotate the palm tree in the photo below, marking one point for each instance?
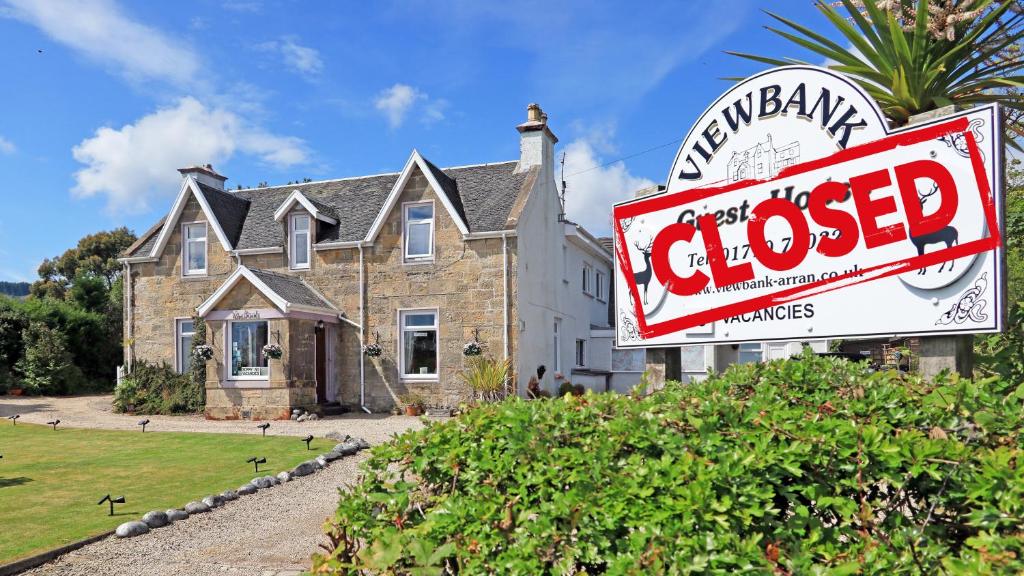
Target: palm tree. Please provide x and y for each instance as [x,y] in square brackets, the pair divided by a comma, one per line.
[912,56]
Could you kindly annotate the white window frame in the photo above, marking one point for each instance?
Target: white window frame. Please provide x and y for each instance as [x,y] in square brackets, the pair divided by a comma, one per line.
[558,344]
[599,286]
[588,279]
[418,258]
[178,335]
[186,249]
[761,348]
[292,243]
[227,353]
[581,352]
[402,313]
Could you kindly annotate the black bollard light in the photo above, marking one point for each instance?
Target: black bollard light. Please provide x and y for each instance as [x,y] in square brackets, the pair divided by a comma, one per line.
[14,418]
[107,498]
[307,440]
[264,427]
[143,424]
[256,462]
[54,423]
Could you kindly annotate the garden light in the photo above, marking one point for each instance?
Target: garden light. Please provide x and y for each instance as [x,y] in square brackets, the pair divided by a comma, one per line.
[256,462]
[307,440]
[14,419]
[54,423]
[264,427]
[107,498]
[143,424]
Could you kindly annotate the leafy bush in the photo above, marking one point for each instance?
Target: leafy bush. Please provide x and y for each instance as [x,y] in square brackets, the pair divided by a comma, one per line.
[46,367]
[487,376]
[157,389]
[805,466]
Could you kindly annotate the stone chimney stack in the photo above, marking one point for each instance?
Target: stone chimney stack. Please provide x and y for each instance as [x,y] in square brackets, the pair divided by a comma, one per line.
[536,141]
[205,175]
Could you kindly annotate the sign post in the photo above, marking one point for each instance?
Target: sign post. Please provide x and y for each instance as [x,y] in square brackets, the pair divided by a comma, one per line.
[848,230]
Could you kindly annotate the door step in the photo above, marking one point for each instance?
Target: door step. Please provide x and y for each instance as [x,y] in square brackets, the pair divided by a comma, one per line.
[334,409]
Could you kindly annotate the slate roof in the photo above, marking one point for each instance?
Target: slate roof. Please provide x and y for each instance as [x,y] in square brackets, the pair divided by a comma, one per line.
[291,288]
[482,195]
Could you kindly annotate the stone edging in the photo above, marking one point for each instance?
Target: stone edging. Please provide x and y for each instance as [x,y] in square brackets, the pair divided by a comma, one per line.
[157,519]
[31,562]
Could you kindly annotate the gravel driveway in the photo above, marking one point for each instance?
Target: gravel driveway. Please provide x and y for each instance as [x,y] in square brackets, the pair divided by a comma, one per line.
[272,532]
[96,412]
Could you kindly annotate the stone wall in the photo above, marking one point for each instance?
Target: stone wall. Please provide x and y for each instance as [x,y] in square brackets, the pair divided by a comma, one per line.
[161,294]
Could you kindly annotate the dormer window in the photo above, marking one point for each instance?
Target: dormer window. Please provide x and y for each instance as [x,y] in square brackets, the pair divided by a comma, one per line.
[194,249]
[419,232]
[298,241]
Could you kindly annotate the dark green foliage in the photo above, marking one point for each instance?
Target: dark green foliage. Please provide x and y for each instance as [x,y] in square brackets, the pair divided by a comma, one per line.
[198,373]
[15,289]
[46,366]
[565,388]
[86,336]
[157,389]
[95,256]
[805,466]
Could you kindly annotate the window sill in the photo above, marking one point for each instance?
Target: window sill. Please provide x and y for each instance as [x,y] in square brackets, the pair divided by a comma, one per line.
[195,276]
[418,261]
[417,378]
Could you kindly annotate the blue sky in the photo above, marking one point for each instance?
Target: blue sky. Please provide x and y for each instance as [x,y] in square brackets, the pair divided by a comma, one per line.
[105,99]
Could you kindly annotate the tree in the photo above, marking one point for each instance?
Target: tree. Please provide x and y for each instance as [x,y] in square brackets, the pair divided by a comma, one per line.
[913,56]
[95,256]
[46,367]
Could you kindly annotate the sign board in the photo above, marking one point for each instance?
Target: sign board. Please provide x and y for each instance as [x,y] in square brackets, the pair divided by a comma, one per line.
[253,371]
[792,213]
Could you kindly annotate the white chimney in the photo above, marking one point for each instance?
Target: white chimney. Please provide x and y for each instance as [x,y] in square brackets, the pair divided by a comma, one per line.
[536,141]
[205,175]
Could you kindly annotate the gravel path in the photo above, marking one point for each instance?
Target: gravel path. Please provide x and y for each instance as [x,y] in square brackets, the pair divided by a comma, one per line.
[95,412]
[271,533]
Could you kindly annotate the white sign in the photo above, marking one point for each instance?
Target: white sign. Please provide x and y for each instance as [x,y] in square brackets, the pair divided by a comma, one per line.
[253,371]
[822,258]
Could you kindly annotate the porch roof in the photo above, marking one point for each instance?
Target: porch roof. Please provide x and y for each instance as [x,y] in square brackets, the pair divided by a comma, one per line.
[287,293]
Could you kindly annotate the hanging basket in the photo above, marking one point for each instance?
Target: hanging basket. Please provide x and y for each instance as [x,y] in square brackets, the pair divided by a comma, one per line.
[472,349]
[273,351]
[372,350]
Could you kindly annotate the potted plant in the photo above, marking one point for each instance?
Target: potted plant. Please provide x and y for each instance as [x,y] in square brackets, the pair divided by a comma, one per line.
[413,403]
[472,349]
[372,350]
[16,391]
[202,352]
[273,351]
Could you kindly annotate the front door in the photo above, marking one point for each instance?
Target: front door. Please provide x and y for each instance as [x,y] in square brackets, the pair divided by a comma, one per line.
[321,365]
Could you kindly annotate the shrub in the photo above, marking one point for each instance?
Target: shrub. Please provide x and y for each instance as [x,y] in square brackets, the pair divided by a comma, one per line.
[487,376]
[565,388]
[46,367]
[806,466]
[157,389]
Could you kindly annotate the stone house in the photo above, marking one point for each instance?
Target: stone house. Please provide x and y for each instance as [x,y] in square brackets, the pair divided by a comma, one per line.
[418,263]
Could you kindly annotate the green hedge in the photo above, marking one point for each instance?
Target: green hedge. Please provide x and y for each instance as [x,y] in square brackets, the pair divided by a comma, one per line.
[158,389]
[808,466]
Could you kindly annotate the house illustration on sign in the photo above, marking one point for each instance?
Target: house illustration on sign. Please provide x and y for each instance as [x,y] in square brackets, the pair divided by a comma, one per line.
[762,161]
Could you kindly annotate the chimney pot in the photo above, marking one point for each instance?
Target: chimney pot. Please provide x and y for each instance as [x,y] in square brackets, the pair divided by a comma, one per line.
[204,174]
[533,113]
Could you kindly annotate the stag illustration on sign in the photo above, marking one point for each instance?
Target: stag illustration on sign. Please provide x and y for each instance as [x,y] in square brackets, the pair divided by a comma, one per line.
[643,277]
[948,235]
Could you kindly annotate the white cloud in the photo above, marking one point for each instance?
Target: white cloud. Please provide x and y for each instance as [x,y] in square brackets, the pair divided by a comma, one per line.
[301,59]
[101,31]
[6,146]
[396,102]
[591,188]
[137,163]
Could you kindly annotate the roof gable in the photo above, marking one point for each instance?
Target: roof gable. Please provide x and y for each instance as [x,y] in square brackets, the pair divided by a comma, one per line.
[319,210]
[286,293]
[431,173]
[190,188]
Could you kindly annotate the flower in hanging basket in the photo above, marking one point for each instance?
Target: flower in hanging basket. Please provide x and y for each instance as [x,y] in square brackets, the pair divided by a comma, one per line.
[472,349]
[273,351]
[202,352]
[372,350]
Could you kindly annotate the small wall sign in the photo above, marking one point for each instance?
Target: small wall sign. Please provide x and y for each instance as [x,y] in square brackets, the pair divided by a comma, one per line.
[245,315]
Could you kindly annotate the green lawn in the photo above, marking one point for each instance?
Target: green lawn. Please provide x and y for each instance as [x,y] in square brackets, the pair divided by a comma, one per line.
[50,481]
